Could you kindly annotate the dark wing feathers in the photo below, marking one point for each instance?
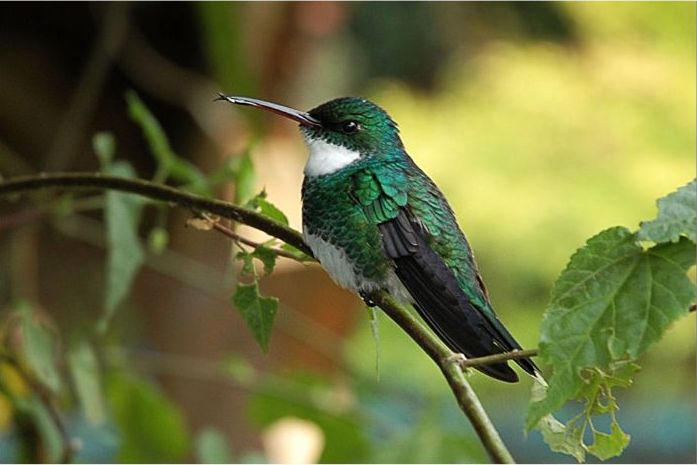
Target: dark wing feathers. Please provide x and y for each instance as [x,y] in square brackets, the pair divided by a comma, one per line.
[438,296]
[441,302]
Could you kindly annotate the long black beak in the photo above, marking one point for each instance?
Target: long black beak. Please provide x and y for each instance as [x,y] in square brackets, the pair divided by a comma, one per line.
[296,115]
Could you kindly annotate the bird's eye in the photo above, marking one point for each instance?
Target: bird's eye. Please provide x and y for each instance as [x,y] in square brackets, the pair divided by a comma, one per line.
[349,127]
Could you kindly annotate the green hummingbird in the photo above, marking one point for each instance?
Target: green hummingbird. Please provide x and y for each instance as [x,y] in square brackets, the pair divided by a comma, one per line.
[376,221]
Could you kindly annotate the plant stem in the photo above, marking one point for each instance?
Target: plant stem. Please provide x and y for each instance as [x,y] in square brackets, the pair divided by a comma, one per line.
[439,353]
[498,358]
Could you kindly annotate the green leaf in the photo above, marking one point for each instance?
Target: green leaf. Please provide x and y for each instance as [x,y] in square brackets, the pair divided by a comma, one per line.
[84,371]
[610,445]
[559,437]
[247,263]
[212,447]
[38,348]
[257,311]
[267,256]
[152,428]
[158,240]
[270,210]
[125,253]
[259,203]
[104,146]
[563,439]
[610,304]
[168,163]
[677,216]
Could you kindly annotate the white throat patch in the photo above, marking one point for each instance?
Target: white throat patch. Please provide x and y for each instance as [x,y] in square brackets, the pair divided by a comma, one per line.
[326,158]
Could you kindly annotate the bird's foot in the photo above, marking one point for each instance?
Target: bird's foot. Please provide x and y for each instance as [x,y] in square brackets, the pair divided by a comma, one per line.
[366,298]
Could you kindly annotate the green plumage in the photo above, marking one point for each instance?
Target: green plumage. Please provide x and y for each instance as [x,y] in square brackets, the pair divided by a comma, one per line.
[375,221]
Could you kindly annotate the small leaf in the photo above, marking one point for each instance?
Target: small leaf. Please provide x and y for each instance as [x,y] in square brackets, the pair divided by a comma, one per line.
[247,263]
[259,203]
[38,348]
[158,240]
[257,311]
[270,210]
[84,371]
[104,146]
[677,216]
[212,447]
[125,254]
[561,439]
[605,445]
[267,257]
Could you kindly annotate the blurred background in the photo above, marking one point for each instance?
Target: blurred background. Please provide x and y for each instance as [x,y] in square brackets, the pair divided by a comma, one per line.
[543,123]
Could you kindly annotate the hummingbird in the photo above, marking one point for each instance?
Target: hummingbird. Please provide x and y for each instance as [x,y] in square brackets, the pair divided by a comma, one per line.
[376,221]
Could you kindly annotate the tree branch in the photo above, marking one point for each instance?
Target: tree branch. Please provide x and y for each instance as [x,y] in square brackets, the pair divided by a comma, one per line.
[156,191]
[439,353]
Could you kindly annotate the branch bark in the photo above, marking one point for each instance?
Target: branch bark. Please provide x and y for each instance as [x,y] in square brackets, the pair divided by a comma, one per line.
[446,360]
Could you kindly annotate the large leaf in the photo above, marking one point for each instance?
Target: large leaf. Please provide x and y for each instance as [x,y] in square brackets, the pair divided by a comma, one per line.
[612,301]
[125,253]
[677,216]
[258,311]
[152,427]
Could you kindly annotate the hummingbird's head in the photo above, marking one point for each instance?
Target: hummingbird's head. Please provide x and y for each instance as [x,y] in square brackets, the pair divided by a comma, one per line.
[337,132]
[353,123]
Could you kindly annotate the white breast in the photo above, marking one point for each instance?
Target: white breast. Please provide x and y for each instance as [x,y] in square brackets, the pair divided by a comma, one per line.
[326,158]
[336,263]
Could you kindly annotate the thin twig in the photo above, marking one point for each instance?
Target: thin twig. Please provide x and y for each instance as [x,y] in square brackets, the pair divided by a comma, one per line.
[498,358]
[218,226]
